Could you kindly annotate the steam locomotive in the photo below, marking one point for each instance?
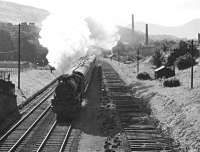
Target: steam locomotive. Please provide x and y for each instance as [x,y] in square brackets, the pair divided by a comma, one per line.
[71,89]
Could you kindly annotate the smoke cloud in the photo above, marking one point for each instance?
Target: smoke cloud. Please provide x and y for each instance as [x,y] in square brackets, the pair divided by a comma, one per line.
[64,38]
[103,36]
[69,35]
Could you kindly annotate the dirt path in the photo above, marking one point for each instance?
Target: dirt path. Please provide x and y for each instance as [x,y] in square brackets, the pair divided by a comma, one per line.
[91,138]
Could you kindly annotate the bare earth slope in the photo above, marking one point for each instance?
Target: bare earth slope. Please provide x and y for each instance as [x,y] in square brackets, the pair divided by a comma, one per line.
[177,109]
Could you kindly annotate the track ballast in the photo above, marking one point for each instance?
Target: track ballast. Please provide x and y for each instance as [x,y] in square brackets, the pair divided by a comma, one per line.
[141,131]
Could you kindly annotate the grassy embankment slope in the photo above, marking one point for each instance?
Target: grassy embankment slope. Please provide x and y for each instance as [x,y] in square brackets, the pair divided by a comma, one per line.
[31,82]
[177,109]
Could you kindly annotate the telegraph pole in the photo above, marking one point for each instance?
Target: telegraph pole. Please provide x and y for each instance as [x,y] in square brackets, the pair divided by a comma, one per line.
[138,49]
[19,56]
[118,56]
[192,66]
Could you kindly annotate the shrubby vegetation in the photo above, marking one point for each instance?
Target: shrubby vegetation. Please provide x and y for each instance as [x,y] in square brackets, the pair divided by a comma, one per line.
[143,76]
[158,58]
[171,82]
[169,54]
[180,54]
[31,50]
[185,61]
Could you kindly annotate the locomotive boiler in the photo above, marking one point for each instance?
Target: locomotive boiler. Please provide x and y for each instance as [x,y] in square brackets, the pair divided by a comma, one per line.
[71,90]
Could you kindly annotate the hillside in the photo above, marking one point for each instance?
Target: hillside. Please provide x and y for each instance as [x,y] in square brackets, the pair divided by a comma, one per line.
[15,13]
[188,30]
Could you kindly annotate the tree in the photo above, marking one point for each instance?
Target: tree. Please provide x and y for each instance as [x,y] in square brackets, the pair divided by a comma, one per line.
[31,50]
[5,41]
[158,58]
[193,51]
[185,61]
[6,45]
[171,58]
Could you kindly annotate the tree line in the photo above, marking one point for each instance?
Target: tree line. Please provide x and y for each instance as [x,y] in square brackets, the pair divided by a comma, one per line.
[181,54]
[31,50]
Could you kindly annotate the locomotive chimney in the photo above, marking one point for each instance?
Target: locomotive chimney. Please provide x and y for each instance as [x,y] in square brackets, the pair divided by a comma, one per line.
[147,35]
[133,22]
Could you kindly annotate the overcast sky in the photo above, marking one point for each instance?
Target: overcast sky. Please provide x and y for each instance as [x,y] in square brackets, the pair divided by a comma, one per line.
[163,12]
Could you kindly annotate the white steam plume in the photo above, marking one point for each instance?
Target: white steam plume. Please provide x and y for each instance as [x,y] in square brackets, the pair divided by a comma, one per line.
[104,36]
[68,35]
[64,38]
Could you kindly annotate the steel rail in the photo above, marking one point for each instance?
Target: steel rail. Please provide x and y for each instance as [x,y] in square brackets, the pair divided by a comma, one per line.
[29,129]
[46,137]
[26,115]
[65,139]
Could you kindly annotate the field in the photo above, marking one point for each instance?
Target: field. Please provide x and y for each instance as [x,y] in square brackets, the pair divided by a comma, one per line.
[176,109]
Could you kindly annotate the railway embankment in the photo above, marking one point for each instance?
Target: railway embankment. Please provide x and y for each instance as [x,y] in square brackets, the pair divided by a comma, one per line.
[175,109]
[31,82]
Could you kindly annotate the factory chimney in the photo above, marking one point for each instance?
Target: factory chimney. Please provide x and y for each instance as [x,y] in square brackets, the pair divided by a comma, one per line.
[133,22]
[198,38]
[146,37]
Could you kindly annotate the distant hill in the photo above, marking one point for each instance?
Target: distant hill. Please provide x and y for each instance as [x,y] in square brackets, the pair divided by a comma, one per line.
[15,13]
[188,30]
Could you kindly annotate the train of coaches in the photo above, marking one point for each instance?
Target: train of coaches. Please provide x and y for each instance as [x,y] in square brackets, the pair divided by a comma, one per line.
[71,89]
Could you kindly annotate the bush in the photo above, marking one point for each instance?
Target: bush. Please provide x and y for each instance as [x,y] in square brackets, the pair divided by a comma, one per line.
[171,82]
[185,61]
[171,59]
[143,76]
[157,58]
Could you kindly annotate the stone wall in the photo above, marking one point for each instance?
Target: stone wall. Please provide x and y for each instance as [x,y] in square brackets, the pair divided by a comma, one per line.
[8,101]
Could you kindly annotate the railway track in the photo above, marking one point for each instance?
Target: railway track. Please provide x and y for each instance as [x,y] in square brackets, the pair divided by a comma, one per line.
[56,138]
[141,131]
[39,96]
[17,135]
[38,129]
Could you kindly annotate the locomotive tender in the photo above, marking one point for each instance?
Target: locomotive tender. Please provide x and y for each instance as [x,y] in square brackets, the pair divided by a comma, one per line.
[71,89]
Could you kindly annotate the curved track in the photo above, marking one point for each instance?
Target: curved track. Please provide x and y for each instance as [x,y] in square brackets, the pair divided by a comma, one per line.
[33,101]
[16,135]
[142,134]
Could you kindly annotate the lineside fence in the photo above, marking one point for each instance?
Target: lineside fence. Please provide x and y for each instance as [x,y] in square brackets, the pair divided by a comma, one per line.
[8,69]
